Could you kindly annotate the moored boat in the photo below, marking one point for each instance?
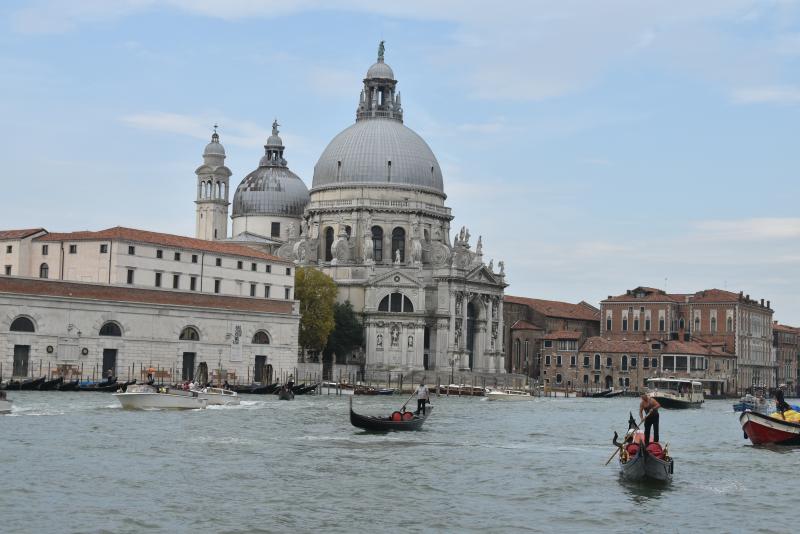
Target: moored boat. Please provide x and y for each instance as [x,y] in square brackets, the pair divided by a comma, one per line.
[509,395]
[26,384]
[72,385]
[460,389]
[145,397]
[399,420]
[769,429]
[49,385]
[676,392]
[335,388]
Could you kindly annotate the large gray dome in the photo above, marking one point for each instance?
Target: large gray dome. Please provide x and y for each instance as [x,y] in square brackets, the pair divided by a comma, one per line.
[362,153]
[270,190]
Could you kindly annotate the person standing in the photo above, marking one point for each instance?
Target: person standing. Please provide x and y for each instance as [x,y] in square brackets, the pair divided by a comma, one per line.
[423,397]
[648,411]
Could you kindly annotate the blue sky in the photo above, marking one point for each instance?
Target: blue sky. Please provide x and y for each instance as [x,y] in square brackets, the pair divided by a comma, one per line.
[595,146]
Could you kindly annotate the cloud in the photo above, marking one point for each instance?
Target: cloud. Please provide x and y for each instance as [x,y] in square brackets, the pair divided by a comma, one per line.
[768,94]
[755,229]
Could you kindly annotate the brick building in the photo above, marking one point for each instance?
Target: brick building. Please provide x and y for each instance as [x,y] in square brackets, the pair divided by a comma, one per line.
[786,342]
[533,323]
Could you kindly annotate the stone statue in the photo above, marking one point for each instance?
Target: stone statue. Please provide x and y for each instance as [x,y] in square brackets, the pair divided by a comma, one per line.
[381,50]
[479,246]
[458,304]
[491,266]
[397,257]
[410,342]
[275,127]
[461,234]
[379,341]
[501,264]
[292,229]
[304,228]
[466,236]
[395,335]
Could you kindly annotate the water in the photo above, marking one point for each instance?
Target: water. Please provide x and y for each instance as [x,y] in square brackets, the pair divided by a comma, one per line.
[75,462]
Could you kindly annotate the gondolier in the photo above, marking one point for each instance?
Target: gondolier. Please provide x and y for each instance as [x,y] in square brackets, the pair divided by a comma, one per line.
[423,396]
[648,412]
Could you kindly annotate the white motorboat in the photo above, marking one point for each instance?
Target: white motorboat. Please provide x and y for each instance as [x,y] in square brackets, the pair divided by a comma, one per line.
[335,388]
[5,404]
[676,392]
[145,397]
[218,396]
[508,395]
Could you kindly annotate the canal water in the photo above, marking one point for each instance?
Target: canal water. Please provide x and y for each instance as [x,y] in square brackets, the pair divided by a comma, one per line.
[75,462]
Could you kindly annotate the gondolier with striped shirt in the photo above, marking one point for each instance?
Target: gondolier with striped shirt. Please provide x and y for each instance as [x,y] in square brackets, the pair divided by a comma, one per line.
[648,412]
[423,396]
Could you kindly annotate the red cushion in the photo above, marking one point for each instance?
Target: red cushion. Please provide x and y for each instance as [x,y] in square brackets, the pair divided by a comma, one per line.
[654,449]
[408,416]
[633,449]
[397,416]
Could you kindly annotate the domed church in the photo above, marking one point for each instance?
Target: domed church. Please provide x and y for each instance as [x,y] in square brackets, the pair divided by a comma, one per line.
[375,220]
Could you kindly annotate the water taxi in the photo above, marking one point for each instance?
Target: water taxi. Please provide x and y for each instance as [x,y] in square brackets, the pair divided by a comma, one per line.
[145,397]
[676,392]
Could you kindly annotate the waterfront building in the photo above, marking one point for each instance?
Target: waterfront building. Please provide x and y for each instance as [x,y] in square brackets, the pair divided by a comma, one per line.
[786,344]
[720,320]
[529,320]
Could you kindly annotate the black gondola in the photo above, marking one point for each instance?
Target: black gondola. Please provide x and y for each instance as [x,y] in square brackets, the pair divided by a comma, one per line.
[103,386]
[50,385]
[72,385]
[30,383]
[308,389]
[298,387]
[285,393]
[396,421]
[263,390]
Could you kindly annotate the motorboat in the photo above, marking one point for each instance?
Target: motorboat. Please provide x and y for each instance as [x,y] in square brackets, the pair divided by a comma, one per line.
[676,392]
[398,420]
[638,462]
[755,403]
[5,403]
[218,396]
[460,390]
[336,388]
[508,395]
[146,397]
[777,428]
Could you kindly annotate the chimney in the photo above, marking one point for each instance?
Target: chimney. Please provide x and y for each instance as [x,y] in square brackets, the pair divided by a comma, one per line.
[747,297]
[762,303]
[767,304]
[628,292]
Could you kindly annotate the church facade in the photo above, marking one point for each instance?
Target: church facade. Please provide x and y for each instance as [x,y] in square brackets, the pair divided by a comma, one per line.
[375,220]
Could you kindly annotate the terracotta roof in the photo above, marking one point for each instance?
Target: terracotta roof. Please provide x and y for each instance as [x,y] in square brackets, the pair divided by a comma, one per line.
[649,294]
[522,324]
[691,347]
[715,295]
[600,344]
[777,327]
[19,234]
[120,233]
[563,334]
[56,288]
[554,308]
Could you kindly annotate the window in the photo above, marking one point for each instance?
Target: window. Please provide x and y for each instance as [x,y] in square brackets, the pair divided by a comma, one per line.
[609,362]
[104,249]
[661,324]
[287,293]
[159,254]
[396,303]
[252,290]
[633,362]
[713,324]
[681,324]
[189,334]
[729,324]
[399,243]
[45,250]
[219,262]
[635,324]
[253,266]
[269,268]
[548,343]
[73,249]
[22,324]
[608,323]
[131,250]
[377,243]
[646,363]
[261,338]
[328,244]
[130,276]
[110,329]
[177,256]
[275,230]
[176,281]
[597,362]
[158,279]
[8,270]
[266,292]
[697,324]
[194,258]
[9,248]
[647,324]
[586,360]
[193,283]
[288,271]
[573,361]
[558,379]
[547,360]
[654,363]
[585,379]
[624,365]
[239,264]
[558,361]
[44,271]
[216,286]
[624,324]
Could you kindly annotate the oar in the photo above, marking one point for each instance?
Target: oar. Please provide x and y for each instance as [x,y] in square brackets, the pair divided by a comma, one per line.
[406,402]
[619,449]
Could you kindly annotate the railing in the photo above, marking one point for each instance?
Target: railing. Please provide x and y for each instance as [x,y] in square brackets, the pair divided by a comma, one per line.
[376,203]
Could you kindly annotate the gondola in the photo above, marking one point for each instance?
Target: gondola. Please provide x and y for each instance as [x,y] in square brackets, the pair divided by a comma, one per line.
[308,389]
[263,390]
[637,462]
[28,384]
[105,386]
[298,387]
[396,421]
[600,394]
[72,385]
[50,385]
[285,393]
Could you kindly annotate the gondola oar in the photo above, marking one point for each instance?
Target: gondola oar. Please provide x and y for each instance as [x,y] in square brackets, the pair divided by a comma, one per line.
[618,448]
[406,402]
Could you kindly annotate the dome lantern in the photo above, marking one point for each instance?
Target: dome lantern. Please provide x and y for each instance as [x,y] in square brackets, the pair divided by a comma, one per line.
[378,99]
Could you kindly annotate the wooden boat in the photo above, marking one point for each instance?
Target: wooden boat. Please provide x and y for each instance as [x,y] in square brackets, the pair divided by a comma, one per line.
[145,397]
[73,385]
[676,392]
[637,462]
[765,430]
[396,421]
[50,385]
[27,384]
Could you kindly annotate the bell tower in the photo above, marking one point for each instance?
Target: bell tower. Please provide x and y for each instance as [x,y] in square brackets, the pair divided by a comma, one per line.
[212,192]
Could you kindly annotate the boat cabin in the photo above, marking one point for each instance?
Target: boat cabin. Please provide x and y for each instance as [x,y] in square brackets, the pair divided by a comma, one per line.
[676,392]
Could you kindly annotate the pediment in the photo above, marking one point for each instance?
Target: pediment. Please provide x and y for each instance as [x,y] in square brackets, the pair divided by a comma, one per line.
[395,278]
[482,275]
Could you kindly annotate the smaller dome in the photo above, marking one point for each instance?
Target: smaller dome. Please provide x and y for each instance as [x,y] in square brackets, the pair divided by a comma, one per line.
[214,148]
[380,70]
[274,140]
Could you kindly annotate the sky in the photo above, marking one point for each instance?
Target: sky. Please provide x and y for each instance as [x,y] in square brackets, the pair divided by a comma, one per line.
[595,146]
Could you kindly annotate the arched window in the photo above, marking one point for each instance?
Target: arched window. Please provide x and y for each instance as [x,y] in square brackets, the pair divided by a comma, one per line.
[44,271]
[22,324]
[713,324]
[399,243]
[261,338]
[681,324]
[597,361]
[624,365]
[377,243]
[208,190]
[200,188]
[609,362]
[328,243]
[189,334]
[730,324]
[697,324]
[218,191]
[110,329]
[222,190]
[397,303]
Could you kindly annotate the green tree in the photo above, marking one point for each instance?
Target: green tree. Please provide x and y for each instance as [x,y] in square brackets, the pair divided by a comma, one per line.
[316,292]
[348,332]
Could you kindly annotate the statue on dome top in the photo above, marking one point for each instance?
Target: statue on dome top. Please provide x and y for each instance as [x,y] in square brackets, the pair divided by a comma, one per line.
[275,127]
[381,50]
